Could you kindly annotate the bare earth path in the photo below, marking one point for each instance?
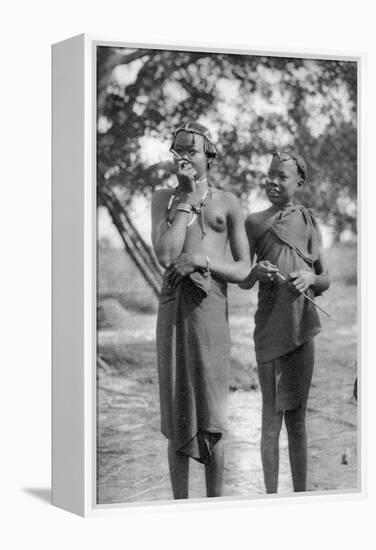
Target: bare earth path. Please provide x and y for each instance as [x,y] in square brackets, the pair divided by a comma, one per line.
[132,463]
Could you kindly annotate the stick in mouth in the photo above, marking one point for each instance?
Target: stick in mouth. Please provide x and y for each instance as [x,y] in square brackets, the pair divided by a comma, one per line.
[179,158]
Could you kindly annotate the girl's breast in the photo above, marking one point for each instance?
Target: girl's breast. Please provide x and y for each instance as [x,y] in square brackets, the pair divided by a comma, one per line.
[217,222]
[215,217]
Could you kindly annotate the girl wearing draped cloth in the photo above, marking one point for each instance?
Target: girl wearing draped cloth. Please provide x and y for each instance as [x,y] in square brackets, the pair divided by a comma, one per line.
[194,227]
[285,238]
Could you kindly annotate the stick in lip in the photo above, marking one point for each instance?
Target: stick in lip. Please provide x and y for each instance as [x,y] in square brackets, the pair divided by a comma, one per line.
[181,160]
[179,157]
[305,296]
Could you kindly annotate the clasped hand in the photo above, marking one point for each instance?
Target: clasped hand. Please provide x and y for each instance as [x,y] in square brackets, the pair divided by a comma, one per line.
[185,264]
[302,279]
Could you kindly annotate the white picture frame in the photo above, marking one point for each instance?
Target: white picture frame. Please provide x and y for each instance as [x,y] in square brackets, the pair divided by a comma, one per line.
[74,275]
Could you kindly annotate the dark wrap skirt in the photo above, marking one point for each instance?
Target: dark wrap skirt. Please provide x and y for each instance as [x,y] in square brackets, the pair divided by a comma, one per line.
[286,381]
[193,350]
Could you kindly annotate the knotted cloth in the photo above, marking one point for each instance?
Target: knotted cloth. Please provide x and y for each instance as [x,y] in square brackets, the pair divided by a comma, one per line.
[285,320]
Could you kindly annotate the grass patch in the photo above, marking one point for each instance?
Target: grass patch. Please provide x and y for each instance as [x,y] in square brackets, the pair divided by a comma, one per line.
[121,289]
[342,261]
[143,303]
[127,304]
[243,376]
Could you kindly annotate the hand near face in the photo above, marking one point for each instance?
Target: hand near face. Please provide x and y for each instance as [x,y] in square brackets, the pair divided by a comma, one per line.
[186,174]
[265,271]
[190,159]
[302,279]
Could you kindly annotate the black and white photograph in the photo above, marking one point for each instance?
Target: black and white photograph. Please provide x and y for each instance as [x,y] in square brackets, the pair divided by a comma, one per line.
[227,265]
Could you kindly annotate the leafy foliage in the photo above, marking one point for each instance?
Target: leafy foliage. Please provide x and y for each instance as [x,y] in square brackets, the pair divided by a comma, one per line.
[253,105]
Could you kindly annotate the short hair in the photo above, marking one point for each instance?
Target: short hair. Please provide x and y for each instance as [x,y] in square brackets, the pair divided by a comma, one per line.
[193,128]
[299,161]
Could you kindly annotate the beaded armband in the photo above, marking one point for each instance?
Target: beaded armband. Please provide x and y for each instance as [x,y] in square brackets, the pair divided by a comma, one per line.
[183,207]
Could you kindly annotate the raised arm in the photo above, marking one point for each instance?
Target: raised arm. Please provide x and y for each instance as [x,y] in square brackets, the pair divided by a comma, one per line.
[167,241]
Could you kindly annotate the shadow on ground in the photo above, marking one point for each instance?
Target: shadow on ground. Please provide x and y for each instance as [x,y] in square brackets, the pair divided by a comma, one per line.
[131,458]
[40,493]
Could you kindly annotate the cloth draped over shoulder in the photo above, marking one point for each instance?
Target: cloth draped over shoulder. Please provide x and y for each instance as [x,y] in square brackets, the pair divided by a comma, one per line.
[285,319]
[193,350]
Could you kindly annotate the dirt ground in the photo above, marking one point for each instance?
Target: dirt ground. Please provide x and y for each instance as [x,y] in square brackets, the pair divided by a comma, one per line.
[131,453]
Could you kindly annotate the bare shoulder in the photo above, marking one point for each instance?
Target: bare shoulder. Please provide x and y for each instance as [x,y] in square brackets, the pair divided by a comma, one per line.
[230,200]
[256,218]
[255,223]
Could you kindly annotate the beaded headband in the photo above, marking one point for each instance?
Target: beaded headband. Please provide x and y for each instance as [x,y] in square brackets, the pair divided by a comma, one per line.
[200,130]
[289,155]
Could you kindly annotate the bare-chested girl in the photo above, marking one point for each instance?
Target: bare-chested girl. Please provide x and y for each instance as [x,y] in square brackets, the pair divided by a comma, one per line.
[192,228]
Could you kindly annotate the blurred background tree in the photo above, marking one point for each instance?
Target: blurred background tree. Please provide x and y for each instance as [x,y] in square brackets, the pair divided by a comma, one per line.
[252,104]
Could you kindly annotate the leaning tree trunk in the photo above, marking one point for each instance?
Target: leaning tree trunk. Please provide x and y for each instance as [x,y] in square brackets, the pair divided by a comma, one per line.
[141,254]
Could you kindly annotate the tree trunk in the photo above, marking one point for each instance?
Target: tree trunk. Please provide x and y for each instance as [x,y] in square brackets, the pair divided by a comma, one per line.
[141,254]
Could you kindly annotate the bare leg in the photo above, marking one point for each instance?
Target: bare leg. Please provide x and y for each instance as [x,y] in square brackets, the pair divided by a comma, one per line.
[271,427]
[295,424]
[295,421]
[179,470]
[214,472]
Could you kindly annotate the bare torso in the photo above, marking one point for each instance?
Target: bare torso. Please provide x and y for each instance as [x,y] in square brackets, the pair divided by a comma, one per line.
[214,223]
[216,235]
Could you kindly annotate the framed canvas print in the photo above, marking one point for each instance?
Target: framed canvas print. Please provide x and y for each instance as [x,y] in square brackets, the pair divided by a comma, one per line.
[205,275]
